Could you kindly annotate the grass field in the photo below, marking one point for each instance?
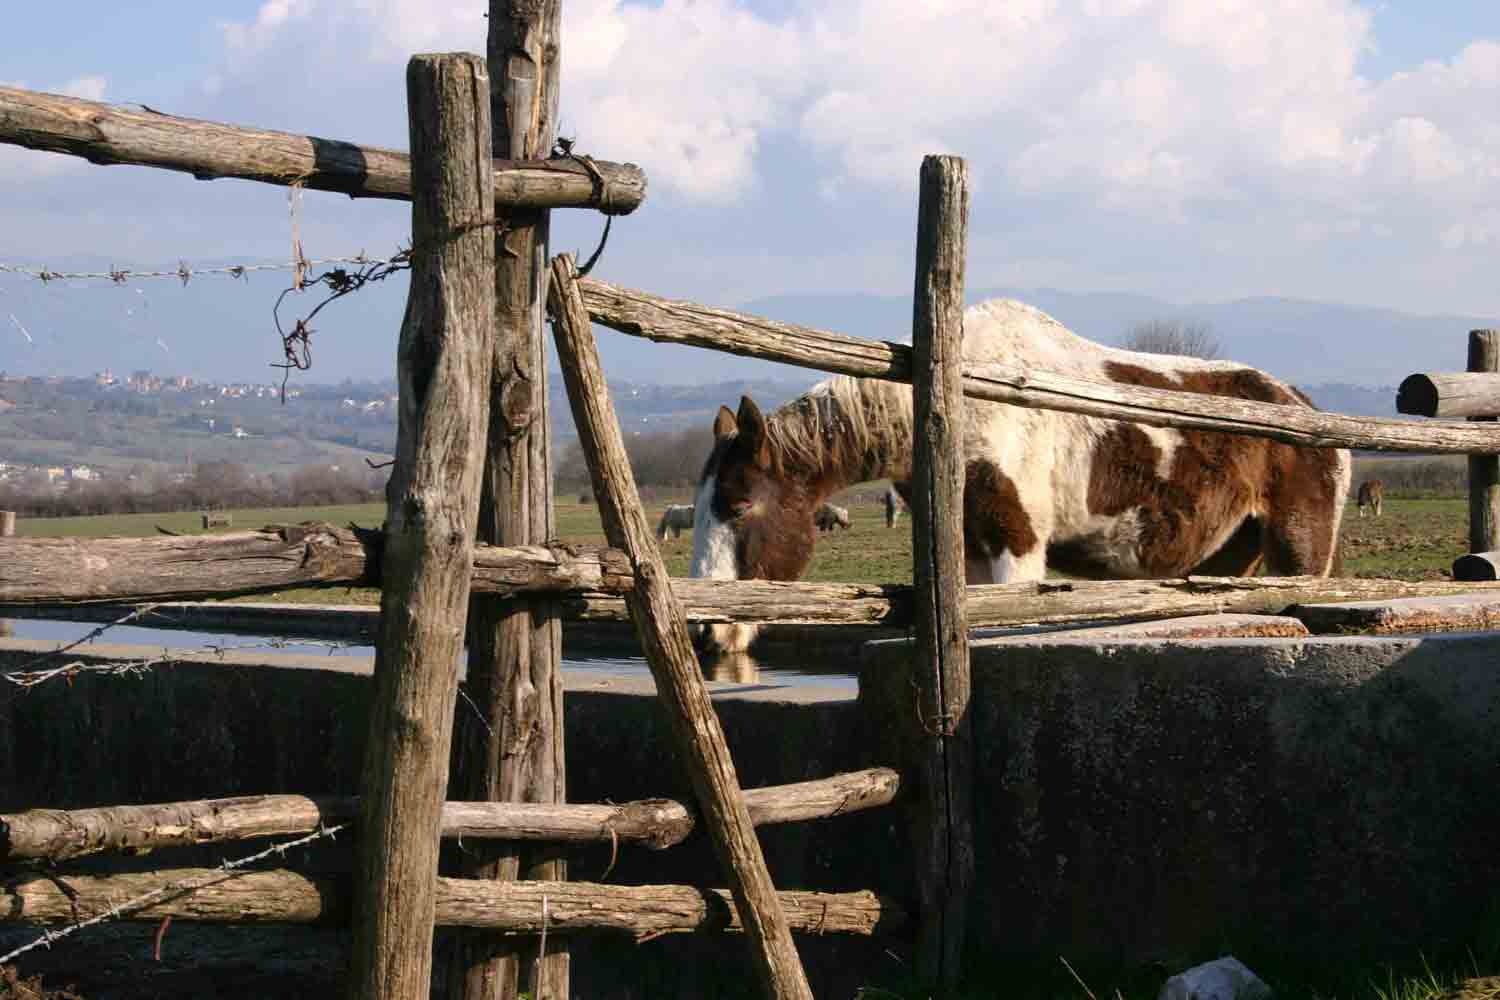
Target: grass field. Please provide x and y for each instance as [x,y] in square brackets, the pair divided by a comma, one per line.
[1414,540]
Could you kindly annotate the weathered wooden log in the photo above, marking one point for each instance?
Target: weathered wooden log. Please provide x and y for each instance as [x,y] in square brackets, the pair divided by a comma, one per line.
[1484,470]
[889,605]
[281,896]
[1046,602]
[178,567]
[58,834]
[106,134]
[443,365]
[1477,567]
[510,747]
[641,314]
[1447,396]
[941,734]
[662,628]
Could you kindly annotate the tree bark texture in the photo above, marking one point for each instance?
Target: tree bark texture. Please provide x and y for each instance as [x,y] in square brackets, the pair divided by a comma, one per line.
[662,628]
[1484,470]
[281,896]
[104,134]
[58,834]
[942,736]
[181,567]
[510,737]
[443,368]
[641,314]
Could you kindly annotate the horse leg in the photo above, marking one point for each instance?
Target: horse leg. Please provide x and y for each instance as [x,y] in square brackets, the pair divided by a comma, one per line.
[1302,526]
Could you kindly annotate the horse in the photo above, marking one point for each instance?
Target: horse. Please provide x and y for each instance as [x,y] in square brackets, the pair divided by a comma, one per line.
[1042,489]
[893,505]
[829,516]
[677,518]
[1371,495]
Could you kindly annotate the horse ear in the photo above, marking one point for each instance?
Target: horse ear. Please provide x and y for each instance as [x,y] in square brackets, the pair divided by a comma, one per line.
[752,427]
[724,424]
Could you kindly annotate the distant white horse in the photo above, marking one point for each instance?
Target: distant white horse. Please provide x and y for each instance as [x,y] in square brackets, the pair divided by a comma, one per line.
[677,518]
[830,516]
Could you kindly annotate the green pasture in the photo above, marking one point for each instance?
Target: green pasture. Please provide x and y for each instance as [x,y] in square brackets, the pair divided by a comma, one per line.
[1414,540]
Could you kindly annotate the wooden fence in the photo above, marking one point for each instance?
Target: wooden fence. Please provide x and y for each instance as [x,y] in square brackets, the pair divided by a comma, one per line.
[471,464]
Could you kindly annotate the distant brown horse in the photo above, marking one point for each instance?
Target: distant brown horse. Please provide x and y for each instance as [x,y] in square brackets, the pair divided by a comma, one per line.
[1371,495]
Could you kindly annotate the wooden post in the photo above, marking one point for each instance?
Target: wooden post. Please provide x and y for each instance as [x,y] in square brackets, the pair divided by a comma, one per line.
[1484,470]
[510,746]
[943,762]
[443,367]
[662,626]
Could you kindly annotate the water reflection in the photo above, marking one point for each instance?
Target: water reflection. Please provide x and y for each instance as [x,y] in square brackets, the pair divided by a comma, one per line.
[741,668]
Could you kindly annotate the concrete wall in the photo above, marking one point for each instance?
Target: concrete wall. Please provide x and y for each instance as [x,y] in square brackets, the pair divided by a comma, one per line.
[1143,799]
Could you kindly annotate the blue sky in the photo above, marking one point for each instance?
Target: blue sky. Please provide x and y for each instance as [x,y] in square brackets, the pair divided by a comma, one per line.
[1192,150]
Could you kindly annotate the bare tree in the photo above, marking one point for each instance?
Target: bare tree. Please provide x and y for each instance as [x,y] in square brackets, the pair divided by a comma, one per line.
[1173,336]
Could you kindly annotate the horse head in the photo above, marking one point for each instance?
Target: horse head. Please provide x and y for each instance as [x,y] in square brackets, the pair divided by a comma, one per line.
[751,520]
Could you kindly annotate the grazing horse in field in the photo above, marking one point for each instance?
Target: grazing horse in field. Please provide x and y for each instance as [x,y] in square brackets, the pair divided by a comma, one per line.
[677,518]
[829,516]
[1371,495]
[1043,489]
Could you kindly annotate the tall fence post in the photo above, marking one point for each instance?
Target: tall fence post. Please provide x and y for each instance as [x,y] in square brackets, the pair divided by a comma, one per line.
[944,753]
[510,742]
[1484,470]
[444,369]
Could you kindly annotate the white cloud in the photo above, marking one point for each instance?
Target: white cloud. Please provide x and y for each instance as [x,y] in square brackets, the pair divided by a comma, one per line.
[1251,113]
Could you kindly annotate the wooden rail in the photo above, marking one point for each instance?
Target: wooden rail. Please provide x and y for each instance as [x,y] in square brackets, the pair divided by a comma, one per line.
[106,134]
[887,605]
[58,835]
[281,896]
[641,314]
[235,563]
[662,627]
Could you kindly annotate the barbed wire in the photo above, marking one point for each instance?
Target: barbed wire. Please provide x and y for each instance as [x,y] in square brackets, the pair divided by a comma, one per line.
[28,676]
[182,888]
[184,272]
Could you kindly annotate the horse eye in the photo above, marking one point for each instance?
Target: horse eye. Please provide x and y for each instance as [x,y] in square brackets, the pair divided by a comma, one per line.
[739,508]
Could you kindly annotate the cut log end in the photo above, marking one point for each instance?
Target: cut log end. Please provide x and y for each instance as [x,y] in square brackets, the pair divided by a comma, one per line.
[1477,567]
[1417,396]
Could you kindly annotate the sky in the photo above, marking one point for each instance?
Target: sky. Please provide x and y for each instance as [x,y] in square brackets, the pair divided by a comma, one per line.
[1191,150]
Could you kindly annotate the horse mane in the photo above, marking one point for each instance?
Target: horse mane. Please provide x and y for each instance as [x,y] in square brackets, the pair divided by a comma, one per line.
[857,428]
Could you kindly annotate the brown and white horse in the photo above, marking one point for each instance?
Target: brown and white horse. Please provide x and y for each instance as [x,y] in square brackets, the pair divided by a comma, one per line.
[1084,495]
